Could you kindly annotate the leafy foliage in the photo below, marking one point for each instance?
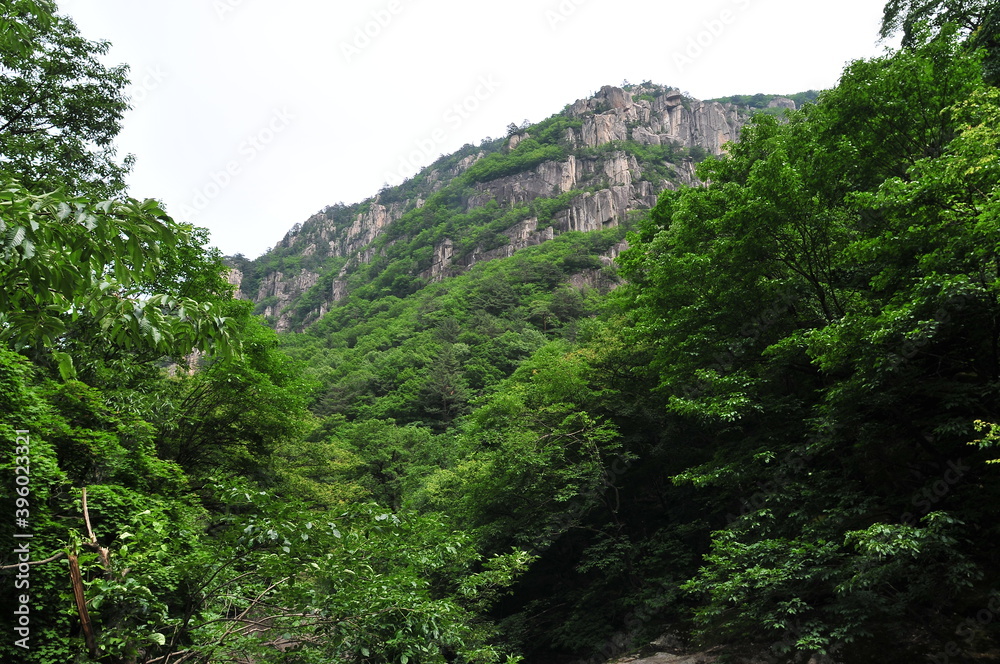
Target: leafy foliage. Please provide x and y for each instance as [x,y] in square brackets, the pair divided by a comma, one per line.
[815,297]
[775,436]
[61,106]
[179,505]
[979,19]
[68,260]
[528,154]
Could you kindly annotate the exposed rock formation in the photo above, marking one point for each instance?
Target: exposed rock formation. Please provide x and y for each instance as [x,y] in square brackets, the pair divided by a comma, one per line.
[524,234]
[716,655]
[279,291]
[609,115]
[612,183]
[548,179]
[443,253]
[781,102]
[591,212]
[235,279]
[339,290]
[366,228]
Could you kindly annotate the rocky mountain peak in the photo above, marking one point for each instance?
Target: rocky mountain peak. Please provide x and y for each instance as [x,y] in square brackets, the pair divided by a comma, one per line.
[587,168]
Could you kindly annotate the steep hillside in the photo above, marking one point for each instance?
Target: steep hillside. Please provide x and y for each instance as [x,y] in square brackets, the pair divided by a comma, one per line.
[767,433]
[586,168]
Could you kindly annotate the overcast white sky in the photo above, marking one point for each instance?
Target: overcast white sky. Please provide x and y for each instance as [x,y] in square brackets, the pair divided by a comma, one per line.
[251,115]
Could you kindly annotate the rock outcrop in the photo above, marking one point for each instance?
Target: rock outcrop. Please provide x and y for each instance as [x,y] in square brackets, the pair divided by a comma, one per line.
[547,179]
[781,102]
[616,115]
[612,183]
[235,279]
[276,292]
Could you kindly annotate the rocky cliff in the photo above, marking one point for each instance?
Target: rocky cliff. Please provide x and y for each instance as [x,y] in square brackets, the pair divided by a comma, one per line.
[612,155]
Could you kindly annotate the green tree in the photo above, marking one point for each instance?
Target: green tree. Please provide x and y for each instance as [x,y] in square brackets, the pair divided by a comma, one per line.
[67,259]
[61,107]
[979,19]
[362,583]
[233,414]
[16,32]
[818,319]
[536,455]
[444,396]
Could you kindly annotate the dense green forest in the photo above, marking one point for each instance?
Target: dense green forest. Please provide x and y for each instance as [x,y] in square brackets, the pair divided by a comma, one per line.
[770,430]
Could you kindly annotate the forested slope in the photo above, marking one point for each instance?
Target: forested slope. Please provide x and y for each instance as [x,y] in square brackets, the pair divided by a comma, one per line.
[764,427]
[592,166]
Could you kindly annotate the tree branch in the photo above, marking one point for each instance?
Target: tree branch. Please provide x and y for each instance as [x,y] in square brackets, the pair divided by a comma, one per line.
[36,562]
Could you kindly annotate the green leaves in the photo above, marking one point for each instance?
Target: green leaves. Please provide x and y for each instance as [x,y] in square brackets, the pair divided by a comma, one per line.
[65,363]
[528,154]
[370,581]
[834,289]
[60,106]
[20,24]
[65,258]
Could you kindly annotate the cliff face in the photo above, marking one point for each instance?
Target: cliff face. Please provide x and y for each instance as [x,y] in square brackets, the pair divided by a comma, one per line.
[616,115]
[620,149]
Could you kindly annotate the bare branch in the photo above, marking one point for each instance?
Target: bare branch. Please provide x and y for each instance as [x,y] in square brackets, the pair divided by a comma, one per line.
[57,556]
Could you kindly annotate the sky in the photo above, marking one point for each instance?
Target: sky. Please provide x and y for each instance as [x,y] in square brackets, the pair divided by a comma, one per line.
[249,116]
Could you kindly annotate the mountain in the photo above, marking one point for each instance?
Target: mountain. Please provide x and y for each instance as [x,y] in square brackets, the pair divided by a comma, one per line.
[588,167]
[767,432]
[455,334]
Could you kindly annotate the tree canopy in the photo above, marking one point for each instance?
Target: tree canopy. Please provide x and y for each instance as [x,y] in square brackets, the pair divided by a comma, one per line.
[771,431]
[61,107]
[828,294]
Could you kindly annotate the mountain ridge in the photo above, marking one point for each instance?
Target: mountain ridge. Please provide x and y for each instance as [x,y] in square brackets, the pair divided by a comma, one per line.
[590,166]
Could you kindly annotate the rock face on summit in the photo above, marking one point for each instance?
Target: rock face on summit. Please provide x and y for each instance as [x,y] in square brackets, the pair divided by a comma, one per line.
[616,115]
[600,146]
[781,102]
